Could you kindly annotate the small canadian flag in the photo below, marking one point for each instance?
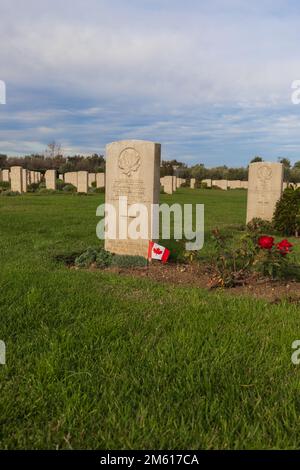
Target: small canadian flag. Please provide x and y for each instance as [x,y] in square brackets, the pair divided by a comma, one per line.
[159,252]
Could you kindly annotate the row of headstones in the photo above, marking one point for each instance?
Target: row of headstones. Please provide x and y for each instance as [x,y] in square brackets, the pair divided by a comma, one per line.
[226,184]
[82,180]
[20,178]
[132,170]
[171,183]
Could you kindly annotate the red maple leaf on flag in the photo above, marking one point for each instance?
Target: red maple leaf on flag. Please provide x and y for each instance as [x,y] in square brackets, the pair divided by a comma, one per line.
[157,251]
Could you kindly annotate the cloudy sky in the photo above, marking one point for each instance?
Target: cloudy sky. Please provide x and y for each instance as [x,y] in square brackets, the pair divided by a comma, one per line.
[210,80]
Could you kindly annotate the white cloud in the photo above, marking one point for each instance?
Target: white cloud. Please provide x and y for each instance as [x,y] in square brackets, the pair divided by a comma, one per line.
[146,69]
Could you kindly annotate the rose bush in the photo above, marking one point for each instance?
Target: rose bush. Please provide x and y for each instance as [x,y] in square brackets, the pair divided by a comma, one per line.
[266,242]
[284,247]
[237,259]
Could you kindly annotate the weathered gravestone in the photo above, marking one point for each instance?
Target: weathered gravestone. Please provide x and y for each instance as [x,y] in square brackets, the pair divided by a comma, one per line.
[50,177]
[207,182]
[24,180]
[168,184]
[91,179]
[82,182]
[132,174]
[16,177]
[222,184]
[234,184]
[100,180]
[5,175]
[174,183]
[264,189]
[71,178]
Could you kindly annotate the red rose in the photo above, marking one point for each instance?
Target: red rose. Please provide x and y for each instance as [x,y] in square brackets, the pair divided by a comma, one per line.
[266,242]
[284,247]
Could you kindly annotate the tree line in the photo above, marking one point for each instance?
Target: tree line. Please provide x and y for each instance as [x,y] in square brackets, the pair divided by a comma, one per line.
[200,172]
[54,159]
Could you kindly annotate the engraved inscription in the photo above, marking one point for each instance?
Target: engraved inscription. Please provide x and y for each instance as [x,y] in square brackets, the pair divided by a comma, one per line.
[133,189]
[129,161]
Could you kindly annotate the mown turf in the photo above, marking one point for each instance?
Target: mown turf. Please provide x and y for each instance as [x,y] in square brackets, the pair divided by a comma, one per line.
[95,360]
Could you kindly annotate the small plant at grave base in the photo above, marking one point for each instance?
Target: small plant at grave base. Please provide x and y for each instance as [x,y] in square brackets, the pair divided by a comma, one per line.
[4,186]
[100,258]
[191,255]
[103,259]
[10,193]
[94,190]
[60,184]
[69,188]
[259,226]
[287,211]
[233,259]
[126,261]
[87,258]
[47,191]
[33,187]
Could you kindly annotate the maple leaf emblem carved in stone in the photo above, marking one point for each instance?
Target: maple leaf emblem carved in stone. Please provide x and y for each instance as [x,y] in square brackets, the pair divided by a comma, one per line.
[129,161]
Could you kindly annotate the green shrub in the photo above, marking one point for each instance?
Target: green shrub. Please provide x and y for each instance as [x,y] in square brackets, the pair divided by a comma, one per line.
[60,184]
[103,259]
[10,193]
[4,185]
[287,211]
[46,191]
[69,188]
[235,259]
[94,190]
[33,187]
[87,258]
[260,226]
[126,261]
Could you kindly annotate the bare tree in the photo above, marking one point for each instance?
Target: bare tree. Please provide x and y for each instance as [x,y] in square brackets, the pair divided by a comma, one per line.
[53,150]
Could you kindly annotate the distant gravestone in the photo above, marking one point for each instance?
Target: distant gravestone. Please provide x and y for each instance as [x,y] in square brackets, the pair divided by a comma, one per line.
[82,182]
[91,179]
[222,184]
[100,180]
[208,182]
[24,180]
[16,178]
[264,189]
[71,178]
[50,178]
[5,176]
[174,183]
[168,184]
[193,183]
[132,174]
[234,184]
[32,177]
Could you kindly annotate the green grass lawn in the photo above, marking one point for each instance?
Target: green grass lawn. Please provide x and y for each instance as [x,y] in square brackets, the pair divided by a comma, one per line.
[101,361]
